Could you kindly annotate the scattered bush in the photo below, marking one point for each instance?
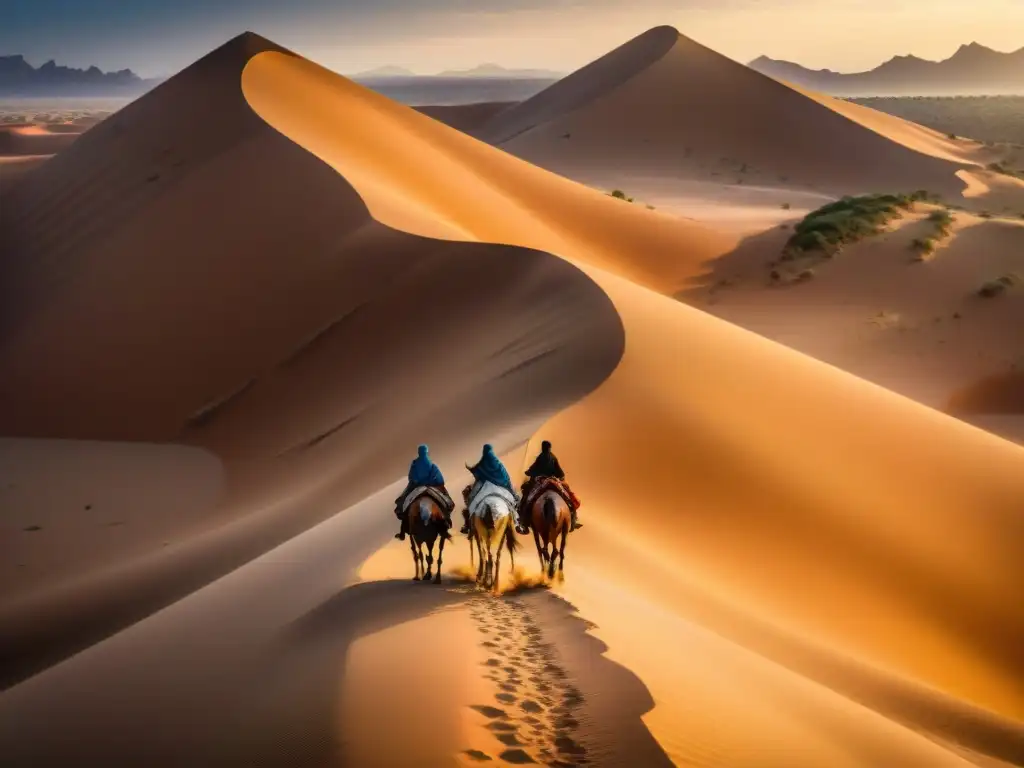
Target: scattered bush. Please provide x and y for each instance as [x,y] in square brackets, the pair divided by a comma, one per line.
[618,194]
[942,219]
[786,206]
[924,246]
[827,229]
[985,214]
[999,286]
[952,136]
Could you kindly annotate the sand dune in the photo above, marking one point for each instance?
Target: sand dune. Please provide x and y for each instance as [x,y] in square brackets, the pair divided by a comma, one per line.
[199,239]
[916,327]
[465,117]
[665,106]
[736,452]
[19,140]
[799,558]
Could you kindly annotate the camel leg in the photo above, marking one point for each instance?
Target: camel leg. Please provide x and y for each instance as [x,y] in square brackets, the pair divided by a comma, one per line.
[415,557]
[480,557]
[489,571]
[430,561]
[497,562]
[440,558]
[561,549]
[540,550]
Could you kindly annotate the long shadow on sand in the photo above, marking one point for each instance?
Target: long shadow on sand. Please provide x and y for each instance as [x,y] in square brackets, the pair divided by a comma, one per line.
[559,699]
[296,721]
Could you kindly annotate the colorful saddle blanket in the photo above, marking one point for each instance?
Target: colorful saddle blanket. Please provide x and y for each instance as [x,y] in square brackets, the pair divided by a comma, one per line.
[436,494]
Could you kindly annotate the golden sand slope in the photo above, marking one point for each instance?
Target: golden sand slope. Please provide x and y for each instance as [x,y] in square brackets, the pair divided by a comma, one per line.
[172,278]
[664,105]
[781,487]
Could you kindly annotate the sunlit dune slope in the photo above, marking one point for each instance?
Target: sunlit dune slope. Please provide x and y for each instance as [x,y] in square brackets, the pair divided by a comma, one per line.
[424,176]
[664,105]
[793,487]
[185,273]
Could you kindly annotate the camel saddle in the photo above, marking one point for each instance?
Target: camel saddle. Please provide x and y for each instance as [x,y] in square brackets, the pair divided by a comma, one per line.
[560,487]
[435,493]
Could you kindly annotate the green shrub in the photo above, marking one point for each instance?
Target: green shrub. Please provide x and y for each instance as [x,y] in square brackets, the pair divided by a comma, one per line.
[923,244]
[942,220]
[847,220]
[1000,285]
[618,194]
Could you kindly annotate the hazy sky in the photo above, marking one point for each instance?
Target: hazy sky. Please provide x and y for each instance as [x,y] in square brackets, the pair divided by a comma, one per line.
[157,37]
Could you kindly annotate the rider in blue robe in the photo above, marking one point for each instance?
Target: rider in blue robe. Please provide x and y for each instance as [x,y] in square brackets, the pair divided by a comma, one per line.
[490,469]
[422,472]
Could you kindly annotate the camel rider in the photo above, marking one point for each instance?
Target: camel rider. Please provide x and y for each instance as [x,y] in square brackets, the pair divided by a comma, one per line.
[544,466]
[423,473]
[490,469]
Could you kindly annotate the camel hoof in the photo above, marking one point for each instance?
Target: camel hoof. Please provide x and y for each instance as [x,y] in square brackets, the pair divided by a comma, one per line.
[437,579]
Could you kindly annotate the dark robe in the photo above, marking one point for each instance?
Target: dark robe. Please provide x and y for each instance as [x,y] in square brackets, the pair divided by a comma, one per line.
[545,465]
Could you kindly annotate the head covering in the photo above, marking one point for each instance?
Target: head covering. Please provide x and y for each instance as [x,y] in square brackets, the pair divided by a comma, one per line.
[491,469]
[545,446]
[423,471]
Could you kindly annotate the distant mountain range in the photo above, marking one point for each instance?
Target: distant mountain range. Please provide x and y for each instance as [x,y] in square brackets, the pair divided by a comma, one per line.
[492,71]
[18,78]
[972,70]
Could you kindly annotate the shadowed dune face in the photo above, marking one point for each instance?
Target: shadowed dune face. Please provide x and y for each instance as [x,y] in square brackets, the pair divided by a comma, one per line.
[681,110]
[999,393]
[208,281]
[465,117]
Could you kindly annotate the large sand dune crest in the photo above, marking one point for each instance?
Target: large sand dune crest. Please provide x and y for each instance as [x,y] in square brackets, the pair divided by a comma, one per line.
[215,284]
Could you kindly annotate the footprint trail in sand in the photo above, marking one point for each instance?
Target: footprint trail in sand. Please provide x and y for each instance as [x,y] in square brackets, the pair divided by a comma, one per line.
[535,717]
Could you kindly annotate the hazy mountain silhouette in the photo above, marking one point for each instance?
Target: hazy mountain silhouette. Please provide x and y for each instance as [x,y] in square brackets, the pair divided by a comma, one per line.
[488,71]
[972,70]
[385,71]
[496,70]
[19,78]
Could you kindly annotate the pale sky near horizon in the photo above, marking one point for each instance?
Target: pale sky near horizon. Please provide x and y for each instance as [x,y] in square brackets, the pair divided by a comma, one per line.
[158,37]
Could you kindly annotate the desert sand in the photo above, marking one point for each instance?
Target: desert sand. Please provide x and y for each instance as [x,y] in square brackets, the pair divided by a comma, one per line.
[783,564]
